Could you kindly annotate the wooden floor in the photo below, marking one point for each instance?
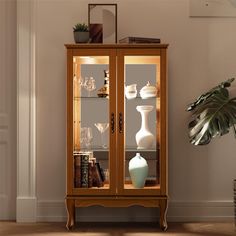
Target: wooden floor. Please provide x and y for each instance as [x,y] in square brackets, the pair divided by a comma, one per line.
[116,229]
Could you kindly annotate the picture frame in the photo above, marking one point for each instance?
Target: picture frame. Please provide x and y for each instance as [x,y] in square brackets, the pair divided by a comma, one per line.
[102,21]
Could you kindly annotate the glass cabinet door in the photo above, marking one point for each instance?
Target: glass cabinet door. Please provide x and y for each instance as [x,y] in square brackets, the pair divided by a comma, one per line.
[93,122]
[139,116]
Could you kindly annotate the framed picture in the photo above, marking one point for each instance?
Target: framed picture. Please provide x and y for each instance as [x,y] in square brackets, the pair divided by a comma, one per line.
[102,20]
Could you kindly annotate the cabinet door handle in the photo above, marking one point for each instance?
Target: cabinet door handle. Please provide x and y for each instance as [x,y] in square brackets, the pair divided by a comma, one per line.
[112,123]
[120,122]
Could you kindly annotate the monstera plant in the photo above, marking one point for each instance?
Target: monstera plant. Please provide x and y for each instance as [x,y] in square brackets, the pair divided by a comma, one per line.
[213,114]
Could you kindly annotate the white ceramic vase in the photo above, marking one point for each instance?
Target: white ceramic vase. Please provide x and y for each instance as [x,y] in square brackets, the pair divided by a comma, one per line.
[138,170]
[131,91]
[144,138]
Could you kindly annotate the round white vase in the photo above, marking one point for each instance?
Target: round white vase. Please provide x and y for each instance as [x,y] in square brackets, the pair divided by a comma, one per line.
[144,138]
[138,170]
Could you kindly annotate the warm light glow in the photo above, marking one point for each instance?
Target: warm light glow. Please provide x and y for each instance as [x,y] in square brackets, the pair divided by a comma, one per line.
[92,59]
[85,57]
[142,59]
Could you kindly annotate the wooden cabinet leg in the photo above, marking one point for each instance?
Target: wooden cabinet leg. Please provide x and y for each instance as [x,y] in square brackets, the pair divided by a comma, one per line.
[70,207]
[163,212]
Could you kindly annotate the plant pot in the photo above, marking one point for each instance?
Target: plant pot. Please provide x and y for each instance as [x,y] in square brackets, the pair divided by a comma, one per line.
[81,37]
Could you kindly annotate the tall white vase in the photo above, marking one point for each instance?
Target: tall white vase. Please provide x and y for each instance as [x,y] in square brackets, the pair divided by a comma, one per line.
[144,138]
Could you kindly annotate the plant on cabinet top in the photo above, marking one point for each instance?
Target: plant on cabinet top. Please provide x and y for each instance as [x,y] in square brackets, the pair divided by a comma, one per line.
[81,27]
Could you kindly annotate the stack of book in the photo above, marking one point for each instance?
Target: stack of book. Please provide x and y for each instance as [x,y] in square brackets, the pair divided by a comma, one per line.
[87,171]
[139,40]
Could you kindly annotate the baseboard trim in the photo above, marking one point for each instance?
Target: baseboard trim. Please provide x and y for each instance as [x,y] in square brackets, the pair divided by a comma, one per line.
[217,211]
[5,212]
[204,211]
[26,209]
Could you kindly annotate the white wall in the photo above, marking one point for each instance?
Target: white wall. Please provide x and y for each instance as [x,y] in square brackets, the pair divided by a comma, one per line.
[7,109]
[201,54]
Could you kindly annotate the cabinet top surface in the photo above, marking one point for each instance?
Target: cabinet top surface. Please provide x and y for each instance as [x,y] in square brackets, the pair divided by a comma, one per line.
[123,45]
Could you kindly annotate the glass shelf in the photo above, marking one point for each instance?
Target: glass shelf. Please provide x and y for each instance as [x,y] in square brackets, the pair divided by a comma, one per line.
[127,149]
[135,149]
[94,149]
[138,97]
[94,97]
[100,149]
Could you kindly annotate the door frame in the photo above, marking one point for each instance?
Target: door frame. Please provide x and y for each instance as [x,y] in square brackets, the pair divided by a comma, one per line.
[162,130]
[111,53]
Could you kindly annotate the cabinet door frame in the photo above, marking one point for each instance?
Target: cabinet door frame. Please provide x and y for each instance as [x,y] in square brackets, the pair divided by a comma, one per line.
[161,114]
[112,109]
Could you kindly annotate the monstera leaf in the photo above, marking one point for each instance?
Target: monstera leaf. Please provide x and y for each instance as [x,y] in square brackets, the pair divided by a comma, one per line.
[213,114]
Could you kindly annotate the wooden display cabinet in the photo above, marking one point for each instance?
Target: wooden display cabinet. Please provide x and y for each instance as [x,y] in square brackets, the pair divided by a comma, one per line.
[126,64]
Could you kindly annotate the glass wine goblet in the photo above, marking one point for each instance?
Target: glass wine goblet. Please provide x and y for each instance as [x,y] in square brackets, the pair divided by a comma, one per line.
[89,137]
[102,127]
[90,85]
[81,81]
[86,137]
[82,137]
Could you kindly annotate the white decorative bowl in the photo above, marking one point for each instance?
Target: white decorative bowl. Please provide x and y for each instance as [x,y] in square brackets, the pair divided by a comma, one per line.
[148,91]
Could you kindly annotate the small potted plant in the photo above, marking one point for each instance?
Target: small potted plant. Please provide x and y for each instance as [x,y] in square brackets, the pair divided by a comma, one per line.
[81,33]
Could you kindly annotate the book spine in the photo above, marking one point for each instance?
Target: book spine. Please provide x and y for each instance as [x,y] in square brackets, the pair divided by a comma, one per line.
[100,171]
[139,40]
[77,172]
[97,181]
[84,171]
[90,175]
